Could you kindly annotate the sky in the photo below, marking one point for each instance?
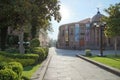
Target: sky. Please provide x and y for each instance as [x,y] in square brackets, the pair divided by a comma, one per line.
[77,10]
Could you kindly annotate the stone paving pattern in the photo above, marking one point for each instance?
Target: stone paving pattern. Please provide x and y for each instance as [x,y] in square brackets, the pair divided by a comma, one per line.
[68,67]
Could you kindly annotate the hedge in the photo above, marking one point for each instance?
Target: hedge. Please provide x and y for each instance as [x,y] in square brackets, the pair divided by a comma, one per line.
[17,68]
[22,56]
[26,59]
[8,74]
[42,52]
[11,71]
[46,52]
[3,65]
[24,62]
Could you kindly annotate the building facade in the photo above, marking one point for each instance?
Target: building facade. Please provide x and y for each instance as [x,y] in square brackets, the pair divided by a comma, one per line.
[43,38]
[84,34]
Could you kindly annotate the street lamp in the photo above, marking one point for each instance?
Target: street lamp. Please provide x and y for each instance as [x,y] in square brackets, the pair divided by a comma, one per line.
[101,26]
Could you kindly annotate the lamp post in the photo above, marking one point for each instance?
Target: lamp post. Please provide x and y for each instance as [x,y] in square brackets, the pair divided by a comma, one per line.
[101,27]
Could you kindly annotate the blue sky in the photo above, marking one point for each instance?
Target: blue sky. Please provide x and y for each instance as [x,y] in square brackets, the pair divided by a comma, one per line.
[76,10]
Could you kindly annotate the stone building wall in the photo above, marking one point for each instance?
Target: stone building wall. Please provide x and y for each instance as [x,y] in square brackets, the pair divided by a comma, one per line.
[89,36]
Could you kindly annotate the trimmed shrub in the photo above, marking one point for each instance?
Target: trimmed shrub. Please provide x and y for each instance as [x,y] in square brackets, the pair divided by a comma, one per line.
[6,59]
[24,59]
[3,65]
[35,43]
[88,52]
[26,62]
[8,74]
[46,52]
[40,51]
[21,56]
[17,68]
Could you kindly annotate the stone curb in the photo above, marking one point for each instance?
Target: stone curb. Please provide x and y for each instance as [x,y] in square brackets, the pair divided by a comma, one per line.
[40,73]
[105,67]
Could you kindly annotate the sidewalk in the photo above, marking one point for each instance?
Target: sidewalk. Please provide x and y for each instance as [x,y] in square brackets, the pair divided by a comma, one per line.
[73,68]
[40,73]
[64,67]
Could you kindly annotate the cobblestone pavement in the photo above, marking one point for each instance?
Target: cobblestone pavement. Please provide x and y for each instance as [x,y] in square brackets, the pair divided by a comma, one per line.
[68,67]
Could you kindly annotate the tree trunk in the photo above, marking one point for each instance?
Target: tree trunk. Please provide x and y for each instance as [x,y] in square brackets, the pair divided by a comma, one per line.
[21,36]
[115,46]
[3,36]
[33,32]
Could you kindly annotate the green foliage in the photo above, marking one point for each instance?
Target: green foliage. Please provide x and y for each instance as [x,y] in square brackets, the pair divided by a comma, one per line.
[21,56]
[8,74]
[42,52]
[41,14]
[113,20]
[30,70]
[26,62]
[12,40]
[17,68]
[46,52]
[88,52]
[26,35]
[35,43]
[110,60]
[25,78]
[10,71]
[20,13]
[6,59]
[24,59]
[3,65]
[5,12]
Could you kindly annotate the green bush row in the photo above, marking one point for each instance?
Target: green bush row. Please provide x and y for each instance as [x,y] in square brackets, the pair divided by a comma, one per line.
[10,71]
[42,52]
[21,56]
[26,59]
[24,62]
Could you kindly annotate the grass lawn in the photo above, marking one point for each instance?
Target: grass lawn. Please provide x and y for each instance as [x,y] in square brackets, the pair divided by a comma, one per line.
[30,70]
[110,60]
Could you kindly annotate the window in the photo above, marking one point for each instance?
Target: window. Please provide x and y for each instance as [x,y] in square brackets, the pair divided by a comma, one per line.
[82,33]
[63,33]
[71,31]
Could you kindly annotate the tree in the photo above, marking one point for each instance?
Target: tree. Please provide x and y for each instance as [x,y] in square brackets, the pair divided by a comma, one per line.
[113,22]
[42,12]
[18,14]
[5,21]
[15,14]
[21,18]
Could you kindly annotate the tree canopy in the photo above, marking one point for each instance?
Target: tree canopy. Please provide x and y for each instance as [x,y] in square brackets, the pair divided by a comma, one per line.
[42,12]
[20,13]
[113,20]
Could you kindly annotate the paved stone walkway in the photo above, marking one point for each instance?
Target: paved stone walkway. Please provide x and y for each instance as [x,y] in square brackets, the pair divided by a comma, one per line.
[73,68]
